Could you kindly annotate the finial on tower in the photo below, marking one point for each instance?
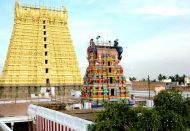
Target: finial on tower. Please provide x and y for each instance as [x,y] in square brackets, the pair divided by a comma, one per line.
[16,6]
[16,3]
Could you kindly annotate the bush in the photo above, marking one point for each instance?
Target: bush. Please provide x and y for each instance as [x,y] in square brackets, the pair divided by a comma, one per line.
[120,117]
[171,113]
[173,110]
[170,100]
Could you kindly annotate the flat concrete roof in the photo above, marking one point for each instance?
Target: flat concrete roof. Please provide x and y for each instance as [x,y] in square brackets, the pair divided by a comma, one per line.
[87,114]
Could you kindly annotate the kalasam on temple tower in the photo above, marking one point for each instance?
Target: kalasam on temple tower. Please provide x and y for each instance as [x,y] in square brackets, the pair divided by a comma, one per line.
[40,55]
[104,79]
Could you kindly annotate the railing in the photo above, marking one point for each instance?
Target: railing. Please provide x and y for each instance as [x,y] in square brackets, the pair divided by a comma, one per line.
[75,123]
[4,127]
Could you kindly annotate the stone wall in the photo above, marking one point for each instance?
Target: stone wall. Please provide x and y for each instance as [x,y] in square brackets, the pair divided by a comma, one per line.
[25,92]
[143,86]
[183,88]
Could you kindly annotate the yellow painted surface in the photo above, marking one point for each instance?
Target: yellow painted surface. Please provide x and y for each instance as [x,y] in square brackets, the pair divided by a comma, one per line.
[26,57]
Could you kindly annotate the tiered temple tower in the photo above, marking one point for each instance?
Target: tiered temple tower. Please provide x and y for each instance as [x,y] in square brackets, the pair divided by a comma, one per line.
[104,80]
[40,54]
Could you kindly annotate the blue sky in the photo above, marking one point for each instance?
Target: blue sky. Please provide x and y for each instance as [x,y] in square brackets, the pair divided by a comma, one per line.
[155,34]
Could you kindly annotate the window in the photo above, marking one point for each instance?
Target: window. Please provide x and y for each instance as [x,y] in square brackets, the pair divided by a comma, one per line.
[44,32]
[44,22]
[112,92]
[111,80]
[44,27]
[46,53]
[46,61]
[45,38]
[45,45]
[109,70]
[108,63]
[46,70]
[47,81]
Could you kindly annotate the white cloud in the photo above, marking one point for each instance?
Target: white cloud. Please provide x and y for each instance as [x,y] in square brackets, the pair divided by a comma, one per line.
[123,8]
[163,11]
[165,53]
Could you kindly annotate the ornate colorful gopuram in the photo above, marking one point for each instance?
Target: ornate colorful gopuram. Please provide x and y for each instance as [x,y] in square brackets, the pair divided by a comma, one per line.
[104,79]
[40,54]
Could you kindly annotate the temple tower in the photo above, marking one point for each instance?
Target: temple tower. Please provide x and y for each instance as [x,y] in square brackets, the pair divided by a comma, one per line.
[40,54]
[104,79]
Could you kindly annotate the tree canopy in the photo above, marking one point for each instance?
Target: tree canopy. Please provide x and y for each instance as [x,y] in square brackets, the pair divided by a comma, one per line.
[171,112]
[120,117]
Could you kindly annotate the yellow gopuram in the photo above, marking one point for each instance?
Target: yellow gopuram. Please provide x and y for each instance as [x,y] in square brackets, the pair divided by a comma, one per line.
[40,54]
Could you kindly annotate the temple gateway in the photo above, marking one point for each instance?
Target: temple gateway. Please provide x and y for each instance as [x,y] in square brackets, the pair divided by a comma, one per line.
[40,55]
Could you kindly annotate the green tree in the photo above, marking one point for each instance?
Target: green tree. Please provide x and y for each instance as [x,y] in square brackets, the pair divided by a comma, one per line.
[172,78]
[164,77]
[132,78]
[153,80]
[169,100]
[171,113]
[172,110]
[113,118]
[187,110]
[145,119]
[182,79]
[160,77]
[171,121]
[176,78]
[120,117]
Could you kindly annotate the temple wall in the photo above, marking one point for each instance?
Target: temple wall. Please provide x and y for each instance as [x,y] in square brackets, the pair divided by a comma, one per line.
[40,54]
[25,92]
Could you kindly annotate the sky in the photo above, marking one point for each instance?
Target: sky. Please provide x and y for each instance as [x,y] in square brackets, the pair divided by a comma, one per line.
[155,34]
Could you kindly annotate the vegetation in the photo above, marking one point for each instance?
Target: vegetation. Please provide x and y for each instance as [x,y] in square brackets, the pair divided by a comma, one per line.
[120,117]
[175,78]
[161,77]
[132,78]
[171,112]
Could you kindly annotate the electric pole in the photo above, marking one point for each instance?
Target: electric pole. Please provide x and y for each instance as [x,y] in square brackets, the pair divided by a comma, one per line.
[149,87]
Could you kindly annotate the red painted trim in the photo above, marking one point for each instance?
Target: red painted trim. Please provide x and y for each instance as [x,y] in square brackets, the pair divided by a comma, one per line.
[59,127]
[55,126]
[49,125]
[43,119]
[39,123]
[46,128]
[52,124]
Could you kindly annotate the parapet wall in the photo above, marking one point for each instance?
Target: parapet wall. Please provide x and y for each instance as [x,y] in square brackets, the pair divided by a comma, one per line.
[54,120]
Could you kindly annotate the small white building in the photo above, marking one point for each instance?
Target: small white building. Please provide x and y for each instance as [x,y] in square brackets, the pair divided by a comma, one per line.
[167,80]
[187,81]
